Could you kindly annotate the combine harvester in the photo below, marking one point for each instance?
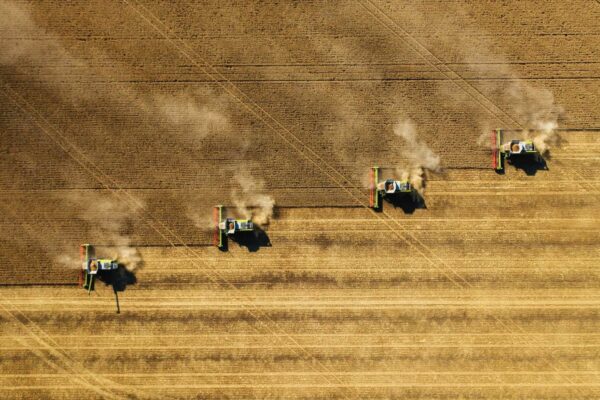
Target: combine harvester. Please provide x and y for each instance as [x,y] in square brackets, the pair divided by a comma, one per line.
[225,227]
[508,151]
[389,187]
[91,266]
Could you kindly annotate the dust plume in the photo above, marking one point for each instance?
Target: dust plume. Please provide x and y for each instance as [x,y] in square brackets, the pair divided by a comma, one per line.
[251,200]
[201,221]
[17,28]
[545,138]
[514,101]
[202,115]
[26,46]
[112,218]
[421,159]
[67,260]
[109,221]
[197,113]
[538,112]
[504,98]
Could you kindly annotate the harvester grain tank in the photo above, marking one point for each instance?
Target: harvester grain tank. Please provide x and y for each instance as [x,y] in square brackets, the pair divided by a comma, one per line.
[388,187]
[227,226]
[502,152]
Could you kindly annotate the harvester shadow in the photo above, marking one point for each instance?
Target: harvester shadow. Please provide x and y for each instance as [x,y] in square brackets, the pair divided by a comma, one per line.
[253,241]
[408,202]
[224,245]
[119,279]
[530,164]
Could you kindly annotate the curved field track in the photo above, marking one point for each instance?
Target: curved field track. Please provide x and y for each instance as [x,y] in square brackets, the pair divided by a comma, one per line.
[122,123]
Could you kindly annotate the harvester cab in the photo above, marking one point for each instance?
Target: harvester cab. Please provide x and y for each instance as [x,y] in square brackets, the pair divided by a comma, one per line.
[518,147]
[389,187]
[502,152]
[91,266]
[228,226]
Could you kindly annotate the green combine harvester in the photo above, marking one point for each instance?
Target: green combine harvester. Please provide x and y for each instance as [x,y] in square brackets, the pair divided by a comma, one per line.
[502,152]
[378,190]
[91,266]
[225,227]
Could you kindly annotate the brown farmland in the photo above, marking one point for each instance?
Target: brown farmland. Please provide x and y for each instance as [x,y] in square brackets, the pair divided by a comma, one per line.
[122,123]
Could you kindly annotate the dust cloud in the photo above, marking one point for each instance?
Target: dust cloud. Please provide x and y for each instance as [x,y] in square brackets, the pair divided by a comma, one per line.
[27,48]
[538,114]
[537,109]
[202,115]
[67,260]
[197,113]
[522,105]
[19,33]
[201,221]
[421,159]
[109,221]
[504,98]
[251,200]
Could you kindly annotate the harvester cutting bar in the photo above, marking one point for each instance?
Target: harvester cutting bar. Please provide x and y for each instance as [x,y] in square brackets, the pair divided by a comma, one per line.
[373,193]
[496,149]
[84,255]
[217,217]
[371,188]
[83,258]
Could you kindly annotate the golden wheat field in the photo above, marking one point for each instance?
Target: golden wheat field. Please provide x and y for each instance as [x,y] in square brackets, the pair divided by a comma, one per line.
[122,123]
